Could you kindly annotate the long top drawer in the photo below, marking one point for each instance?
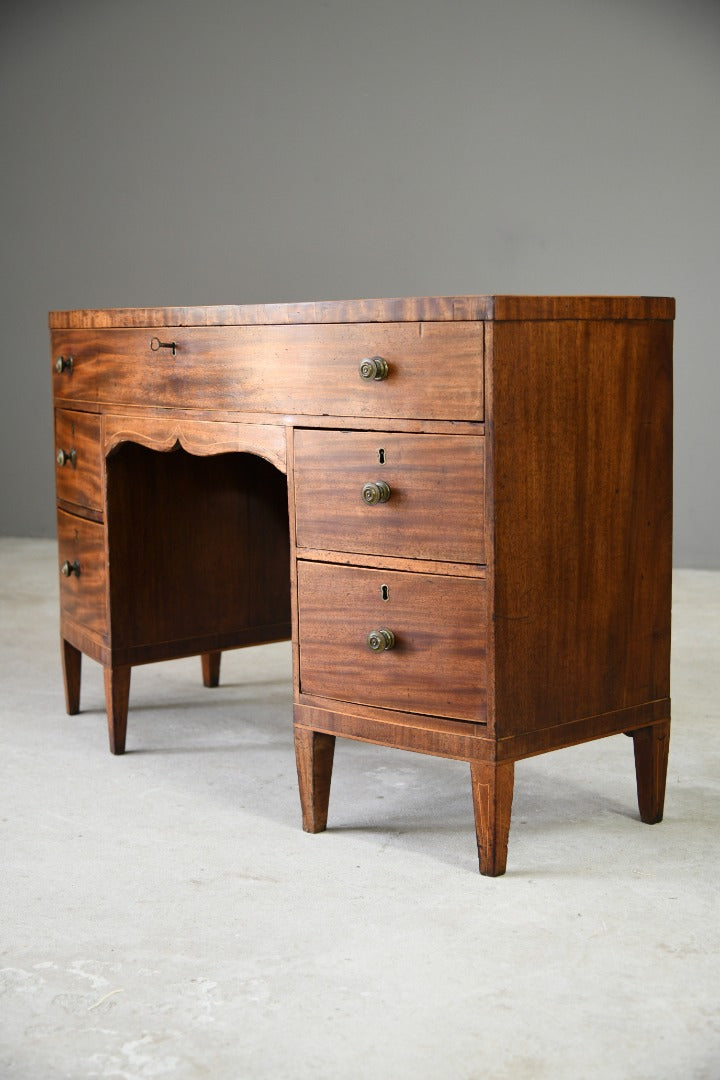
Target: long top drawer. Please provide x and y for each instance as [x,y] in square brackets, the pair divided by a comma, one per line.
[434,370]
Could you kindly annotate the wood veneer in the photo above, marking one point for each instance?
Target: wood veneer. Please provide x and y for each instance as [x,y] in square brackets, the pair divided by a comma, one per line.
[522,560]
[79,476]
[277,368]
[438,661]
[401,309]
[582,519]
[425,474]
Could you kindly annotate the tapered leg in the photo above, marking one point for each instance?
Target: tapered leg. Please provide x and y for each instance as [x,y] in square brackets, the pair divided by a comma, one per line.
[314,754]
[117,695]
[651,759]
[492,787]
[211,668]
[72,663]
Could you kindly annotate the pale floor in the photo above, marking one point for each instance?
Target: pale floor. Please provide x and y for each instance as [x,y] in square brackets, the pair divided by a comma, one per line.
[163,915]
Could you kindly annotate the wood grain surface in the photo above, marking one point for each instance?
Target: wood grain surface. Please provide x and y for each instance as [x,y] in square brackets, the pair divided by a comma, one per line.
[435,369]
[401,309]
[438,664]
[199,548]
[79,481]
[582,493]
[314,752]
[198,437]
[492,790]
[83,596]
[432,479]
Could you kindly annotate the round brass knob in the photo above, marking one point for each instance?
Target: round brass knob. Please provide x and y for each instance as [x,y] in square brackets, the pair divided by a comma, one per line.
[69,568]
[379,492]
[63,456]
[63,363]
[381,640]
[374,367]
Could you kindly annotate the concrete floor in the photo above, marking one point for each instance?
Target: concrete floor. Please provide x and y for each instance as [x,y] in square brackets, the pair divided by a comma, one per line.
[163,915]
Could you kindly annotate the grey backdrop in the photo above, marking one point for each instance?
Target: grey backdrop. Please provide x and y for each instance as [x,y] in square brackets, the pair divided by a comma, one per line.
[181,152]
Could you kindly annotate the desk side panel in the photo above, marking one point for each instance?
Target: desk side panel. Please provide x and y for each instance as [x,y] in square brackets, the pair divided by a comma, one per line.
[582,452]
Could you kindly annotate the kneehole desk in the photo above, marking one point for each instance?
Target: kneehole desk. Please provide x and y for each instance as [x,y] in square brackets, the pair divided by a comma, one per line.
[458,508]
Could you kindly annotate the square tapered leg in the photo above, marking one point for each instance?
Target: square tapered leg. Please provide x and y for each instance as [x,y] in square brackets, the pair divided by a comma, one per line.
[72,664]
[117,696]
[492,788]
[314,753]
[211,668]
[651,746]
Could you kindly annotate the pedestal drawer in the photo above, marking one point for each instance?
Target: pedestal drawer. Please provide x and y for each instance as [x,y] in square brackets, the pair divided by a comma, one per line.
[436,659]
[83,583]
[78,458]
[74,365]
[430,371]
[418,496]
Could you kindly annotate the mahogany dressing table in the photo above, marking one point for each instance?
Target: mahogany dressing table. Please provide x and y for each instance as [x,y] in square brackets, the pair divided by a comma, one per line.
[458,509]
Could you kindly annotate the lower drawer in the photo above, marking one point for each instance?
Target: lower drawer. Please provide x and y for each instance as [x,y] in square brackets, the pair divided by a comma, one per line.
[83,579]
[436,663]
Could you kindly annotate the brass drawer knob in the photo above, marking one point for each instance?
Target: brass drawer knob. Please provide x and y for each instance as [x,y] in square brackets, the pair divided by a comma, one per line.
[63,456]
[381,640]
[378,492]
[64,363]
[374,367]
[69,568]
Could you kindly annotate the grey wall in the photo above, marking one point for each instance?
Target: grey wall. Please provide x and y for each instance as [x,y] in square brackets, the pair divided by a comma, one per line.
[182,152]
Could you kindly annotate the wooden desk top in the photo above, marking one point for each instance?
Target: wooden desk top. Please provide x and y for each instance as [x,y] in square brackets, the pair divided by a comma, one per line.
[408,309]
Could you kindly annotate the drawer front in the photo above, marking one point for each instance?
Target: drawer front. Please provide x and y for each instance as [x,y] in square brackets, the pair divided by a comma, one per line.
[432,507]
[74,365]
[438,662]
[78,458]
[83,594]
[434,370]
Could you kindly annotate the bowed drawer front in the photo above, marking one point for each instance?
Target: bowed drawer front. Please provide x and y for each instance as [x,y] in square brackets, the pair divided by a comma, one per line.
[428,370]
[434,660]
[416,496]
[78,459]
[83,573]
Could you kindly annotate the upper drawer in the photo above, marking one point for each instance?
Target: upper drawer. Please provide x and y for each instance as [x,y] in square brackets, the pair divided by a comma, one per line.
[434,370]
[78,458]
[431,487]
